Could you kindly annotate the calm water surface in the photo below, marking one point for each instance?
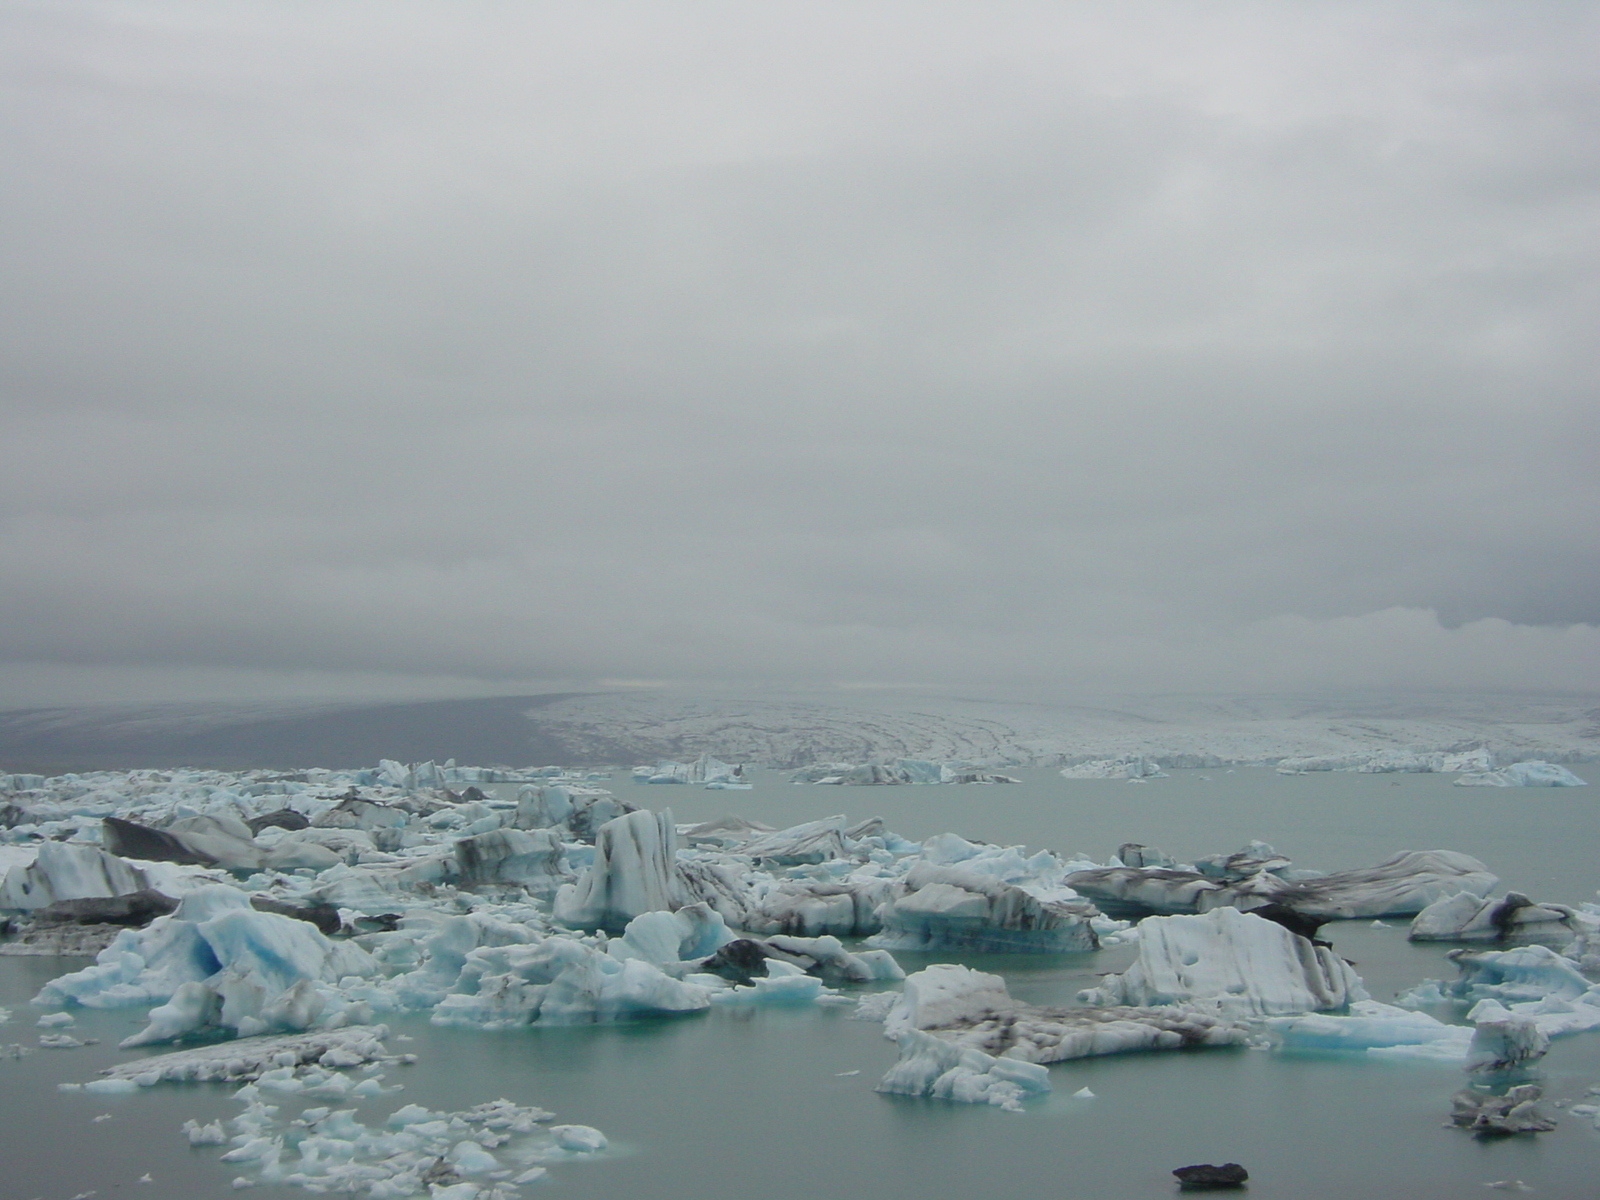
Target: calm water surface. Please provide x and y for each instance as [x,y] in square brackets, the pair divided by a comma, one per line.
[739,1103]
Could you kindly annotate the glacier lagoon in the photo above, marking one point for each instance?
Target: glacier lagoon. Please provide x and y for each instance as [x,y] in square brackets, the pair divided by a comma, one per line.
[742,1100]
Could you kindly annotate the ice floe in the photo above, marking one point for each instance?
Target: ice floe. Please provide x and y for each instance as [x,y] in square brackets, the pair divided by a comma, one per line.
[974,1010]
[480,1153]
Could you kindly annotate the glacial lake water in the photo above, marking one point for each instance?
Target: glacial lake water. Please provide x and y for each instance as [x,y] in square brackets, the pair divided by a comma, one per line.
[740,1103]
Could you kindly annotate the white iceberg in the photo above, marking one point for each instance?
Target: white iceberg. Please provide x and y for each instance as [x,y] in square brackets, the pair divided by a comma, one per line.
[973,1010]
[634,871]
[1374,1029]
[534,860]
[562,981]
[1399,886]
[1468,917]
[1233,964]
[1523,774]
[1503,1039]
[947,907]
[1133,767]
[69,871]
[930,1066]
[217,964]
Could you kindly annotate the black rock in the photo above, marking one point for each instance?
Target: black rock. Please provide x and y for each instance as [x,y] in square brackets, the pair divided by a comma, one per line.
[324,916]
[1206,1177]
[129,839]
[134,908]
[284,818]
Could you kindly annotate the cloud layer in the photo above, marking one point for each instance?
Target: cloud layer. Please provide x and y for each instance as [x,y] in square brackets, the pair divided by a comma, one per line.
[1147,346]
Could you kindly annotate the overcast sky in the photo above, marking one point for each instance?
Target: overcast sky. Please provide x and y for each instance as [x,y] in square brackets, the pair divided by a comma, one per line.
[441,348]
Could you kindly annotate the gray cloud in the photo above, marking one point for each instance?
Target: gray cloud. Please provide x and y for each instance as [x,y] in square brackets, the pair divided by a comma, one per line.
[1156,346]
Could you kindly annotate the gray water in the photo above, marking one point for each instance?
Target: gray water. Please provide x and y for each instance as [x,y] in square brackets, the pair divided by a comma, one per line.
[754,1103]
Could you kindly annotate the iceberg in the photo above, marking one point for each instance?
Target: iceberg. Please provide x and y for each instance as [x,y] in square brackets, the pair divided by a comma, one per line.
[723,832]
[973,1010]
[1468,917]
[814,907]
[203,840]
[533,860]
[814,842]
[1523,973]
[1231,963]
[246,1059]
[217,964]
[562,981]
[1399,886]
[1374,1029]
[827,959]
[930,1066]
[692,932]
[1486,1113]
[1148,891]
[1133,767]
[1503,1039]
[581,811]
[69,871]
[634,871]
[1523,774]
[939,907]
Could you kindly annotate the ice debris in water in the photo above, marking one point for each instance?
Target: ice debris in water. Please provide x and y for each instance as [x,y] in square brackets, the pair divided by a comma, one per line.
[472,1154]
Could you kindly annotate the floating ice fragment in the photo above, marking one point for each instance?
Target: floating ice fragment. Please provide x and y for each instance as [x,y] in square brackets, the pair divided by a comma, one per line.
[582,1139]
[931,1066]
[1231,963]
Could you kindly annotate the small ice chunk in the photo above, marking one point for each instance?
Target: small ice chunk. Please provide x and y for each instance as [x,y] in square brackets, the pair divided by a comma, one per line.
[472,1159]
[582,1139]
[111,1087]
[204,1135]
